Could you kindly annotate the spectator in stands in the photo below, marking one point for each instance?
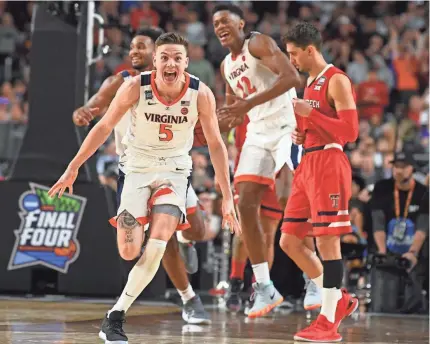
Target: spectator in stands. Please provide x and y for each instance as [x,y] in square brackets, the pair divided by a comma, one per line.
[372,98]
[199,66]
[358,69]
[144,16]
[9,36]
[196,33]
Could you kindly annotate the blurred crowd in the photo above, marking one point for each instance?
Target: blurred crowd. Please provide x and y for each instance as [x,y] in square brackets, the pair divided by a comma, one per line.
[383,46]
[15,20]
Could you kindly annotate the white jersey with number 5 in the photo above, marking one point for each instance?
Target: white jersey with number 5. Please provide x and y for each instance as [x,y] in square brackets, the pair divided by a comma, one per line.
[247,76]
[161,134]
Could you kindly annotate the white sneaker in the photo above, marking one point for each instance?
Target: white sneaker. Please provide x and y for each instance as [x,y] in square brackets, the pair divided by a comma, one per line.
[265,298]
[313,295]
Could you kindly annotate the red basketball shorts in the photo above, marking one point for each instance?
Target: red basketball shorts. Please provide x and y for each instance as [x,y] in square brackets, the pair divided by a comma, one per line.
[318,204]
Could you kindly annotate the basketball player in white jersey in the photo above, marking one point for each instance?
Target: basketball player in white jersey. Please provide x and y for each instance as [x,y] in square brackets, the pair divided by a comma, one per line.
[141,50]
[166,105]
[260,82]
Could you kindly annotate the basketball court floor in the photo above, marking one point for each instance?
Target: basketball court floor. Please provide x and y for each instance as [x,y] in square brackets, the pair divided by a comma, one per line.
[66,321]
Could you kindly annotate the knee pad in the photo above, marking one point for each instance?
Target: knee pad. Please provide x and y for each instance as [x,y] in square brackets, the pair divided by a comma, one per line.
[333,273]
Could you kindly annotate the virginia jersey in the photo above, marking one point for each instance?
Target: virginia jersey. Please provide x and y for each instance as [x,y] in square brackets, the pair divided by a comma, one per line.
[247,76]
[159,129]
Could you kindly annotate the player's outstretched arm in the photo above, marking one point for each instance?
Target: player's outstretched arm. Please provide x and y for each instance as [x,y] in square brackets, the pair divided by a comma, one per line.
[265,48]
[126,97]
[99,102]
[218,152]
[340,93]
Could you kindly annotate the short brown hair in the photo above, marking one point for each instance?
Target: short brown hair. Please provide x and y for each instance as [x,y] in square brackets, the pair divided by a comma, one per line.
[171,38]
[303,35]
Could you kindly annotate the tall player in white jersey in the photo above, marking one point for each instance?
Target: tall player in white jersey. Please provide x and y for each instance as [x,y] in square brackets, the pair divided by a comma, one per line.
[166,104]
[260,82]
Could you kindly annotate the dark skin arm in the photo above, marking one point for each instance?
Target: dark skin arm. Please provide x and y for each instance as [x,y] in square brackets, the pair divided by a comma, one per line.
[265,48]
[99,102]
[226,122]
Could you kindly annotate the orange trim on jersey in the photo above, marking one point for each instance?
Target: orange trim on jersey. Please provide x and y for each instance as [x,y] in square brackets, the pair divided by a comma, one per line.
[183,226]
[254,179]
[158,193]
[160,99]
[191,210]
[143,220]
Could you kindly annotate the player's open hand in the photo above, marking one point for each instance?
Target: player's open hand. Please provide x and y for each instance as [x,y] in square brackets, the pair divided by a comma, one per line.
[298,137]
[229,217]
[65,182]
[83,116]
[238,108]
[301,107]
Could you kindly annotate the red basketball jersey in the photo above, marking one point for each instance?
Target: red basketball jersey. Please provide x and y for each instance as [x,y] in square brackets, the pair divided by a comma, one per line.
[316,95]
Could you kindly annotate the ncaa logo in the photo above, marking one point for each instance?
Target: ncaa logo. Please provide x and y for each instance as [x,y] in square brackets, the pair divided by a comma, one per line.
[48,232]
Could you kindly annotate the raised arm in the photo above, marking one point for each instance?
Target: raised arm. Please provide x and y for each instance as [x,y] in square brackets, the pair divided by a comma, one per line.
[126,97]
[99,102]
[265,48]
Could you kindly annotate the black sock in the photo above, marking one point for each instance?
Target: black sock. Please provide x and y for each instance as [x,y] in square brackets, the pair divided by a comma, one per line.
[333,273]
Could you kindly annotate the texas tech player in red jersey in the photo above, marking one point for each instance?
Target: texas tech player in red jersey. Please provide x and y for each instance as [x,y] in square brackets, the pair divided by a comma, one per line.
[327,120]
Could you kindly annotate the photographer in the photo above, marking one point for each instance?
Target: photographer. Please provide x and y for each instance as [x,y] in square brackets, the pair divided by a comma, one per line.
[400,218]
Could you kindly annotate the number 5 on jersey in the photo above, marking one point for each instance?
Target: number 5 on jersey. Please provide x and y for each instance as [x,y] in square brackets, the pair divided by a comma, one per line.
[165,133]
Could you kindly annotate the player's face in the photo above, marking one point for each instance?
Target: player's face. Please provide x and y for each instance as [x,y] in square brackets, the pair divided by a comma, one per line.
[170,61]
[141,50]
[402,171]
[299,57]
[228,27]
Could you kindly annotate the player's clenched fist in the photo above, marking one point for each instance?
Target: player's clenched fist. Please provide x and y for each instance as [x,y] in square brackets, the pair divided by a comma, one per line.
[301,107]
[83,116]
[298,137]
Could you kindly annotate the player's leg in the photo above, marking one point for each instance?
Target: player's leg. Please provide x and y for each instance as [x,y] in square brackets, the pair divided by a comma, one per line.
[126,264]
[330,219]
[284,182]
[193,311]
[313,293]
[167,210]
[131,217]
[255,173]
[238,263]
[296,227]
[195,230]
[270,216]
